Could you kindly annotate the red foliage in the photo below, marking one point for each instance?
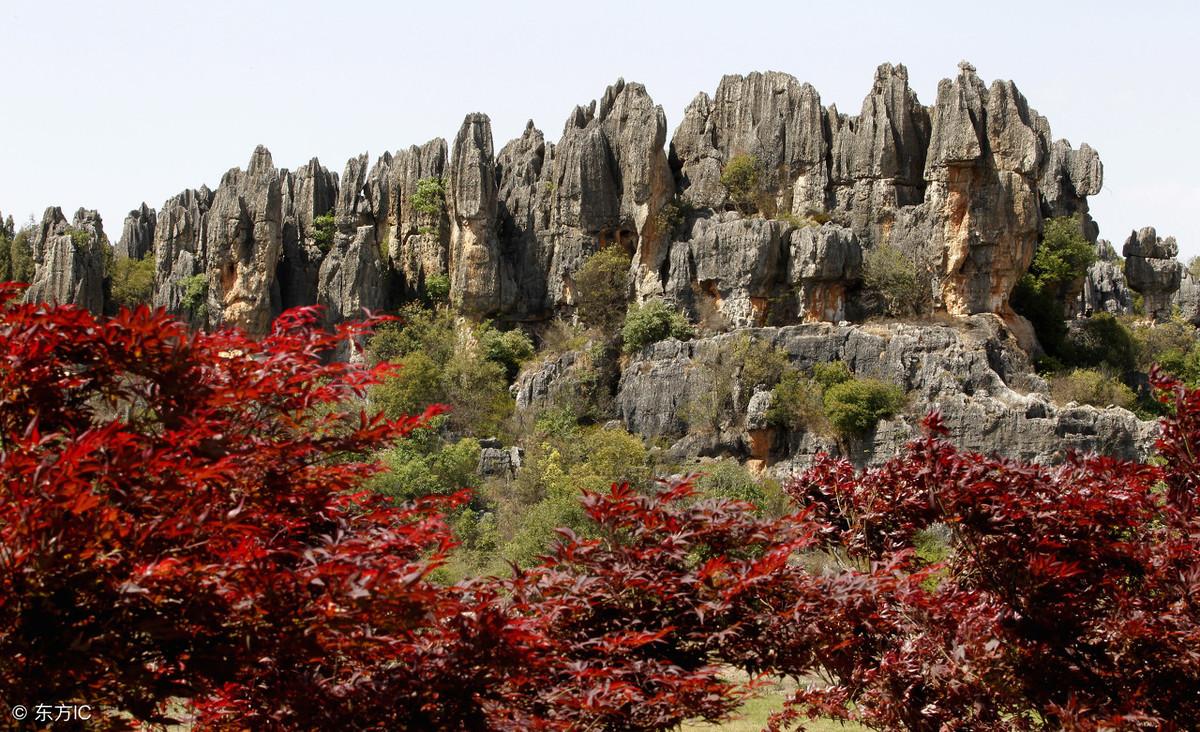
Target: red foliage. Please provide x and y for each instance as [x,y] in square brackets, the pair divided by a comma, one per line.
[180,522]
[1068,599]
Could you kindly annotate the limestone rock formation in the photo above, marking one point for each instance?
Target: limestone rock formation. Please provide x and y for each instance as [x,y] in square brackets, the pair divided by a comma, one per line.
[478,281]
[1152,270]
[973,373]
[309,192]
[1187,298]
[137,235]
[68,260]
[354,274]
[180,259]
[823,263]
[244,241]
[1104,289]
[957,186]
[416,234]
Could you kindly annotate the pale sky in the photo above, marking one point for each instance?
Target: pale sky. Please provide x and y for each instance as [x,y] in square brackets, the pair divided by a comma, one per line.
[109,104]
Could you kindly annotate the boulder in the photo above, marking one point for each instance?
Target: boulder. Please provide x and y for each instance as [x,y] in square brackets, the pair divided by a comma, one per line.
[1152,270]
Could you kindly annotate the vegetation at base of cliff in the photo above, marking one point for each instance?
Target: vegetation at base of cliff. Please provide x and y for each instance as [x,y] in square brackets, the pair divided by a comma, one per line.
[1091,386]
[430,197]
[651,322]
[602,288]
[893,277]
[741,177]
[437,288]
[132,282]
[323,231]
[1060,262]
[195,295]
[440,361]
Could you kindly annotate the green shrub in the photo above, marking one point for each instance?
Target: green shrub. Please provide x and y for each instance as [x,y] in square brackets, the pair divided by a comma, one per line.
[652,322]
[672,216]
[854,407]
[433,331]
[893,276]
[414,387]
[601,289]
[1060,261]
[80,238]
[324,228]
[797,403]
[741,177]
[829,373]
[425,465]
[133,282]
[1089,386]
[757,362]
[509,348]
[5,257]
[730,480]
[1101,340]
[437,288]
[430,196]
[195,295]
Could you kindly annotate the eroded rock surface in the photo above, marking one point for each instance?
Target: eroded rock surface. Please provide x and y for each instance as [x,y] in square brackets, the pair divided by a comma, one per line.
[68,259]
[1152,269]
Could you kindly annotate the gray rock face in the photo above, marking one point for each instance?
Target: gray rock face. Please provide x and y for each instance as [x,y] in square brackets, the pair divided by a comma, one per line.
[137,235]
[1152,270]
[68,260]
[243,244]
[822,263]
[957,186]
[308,192]
[180,256]
[1104,289]
[1187,298]
[769,115]
[477,274]
[973,373]
[354,274]
[417,238]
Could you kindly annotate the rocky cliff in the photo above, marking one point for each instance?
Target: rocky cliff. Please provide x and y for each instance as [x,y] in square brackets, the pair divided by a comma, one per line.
[960,188]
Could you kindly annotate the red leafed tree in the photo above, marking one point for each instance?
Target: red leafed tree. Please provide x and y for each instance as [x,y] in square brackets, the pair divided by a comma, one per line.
[181,529]
[1068,599]
[178,521]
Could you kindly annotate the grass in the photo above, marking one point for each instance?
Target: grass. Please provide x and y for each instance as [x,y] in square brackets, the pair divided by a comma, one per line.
[755,713]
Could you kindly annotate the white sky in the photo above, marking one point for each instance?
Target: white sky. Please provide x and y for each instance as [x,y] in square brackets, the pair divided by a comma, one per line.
[111,103]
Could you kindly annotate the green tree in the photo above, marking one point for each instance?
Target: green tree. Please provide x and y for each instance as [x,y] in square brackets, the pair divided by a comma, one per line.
[509,348]
[324,228]
[652,322]
[741,176]
[21,256]
[892,275]
[437,288]
[1060,261]
[132,282]
[601,287]
[430,196]
[854,407]
[424,465]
